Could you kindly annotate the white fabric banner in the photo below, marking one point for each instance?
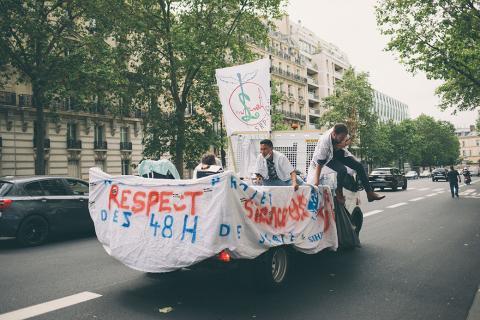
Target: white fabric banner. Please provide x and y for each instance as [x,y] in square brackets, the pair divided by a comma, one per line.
[244,92]
[162,225]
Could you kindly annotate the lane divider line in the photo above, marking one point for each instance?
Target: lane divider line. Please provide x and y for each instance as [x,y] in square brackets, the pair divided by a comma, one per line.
[416,199]
[371,213]
[49,306]
[431,194]
[423,189]
[397,205]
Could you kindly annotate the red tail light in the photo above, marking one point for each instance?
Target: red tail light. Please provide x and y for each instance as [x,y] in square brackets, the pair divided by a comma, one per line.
[224,256]
[5,203]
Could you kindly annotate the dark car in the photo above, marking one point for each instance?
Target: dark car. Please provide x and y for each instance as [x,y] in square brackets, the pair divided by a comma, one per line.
[32,208]
[387,178]
[439,174]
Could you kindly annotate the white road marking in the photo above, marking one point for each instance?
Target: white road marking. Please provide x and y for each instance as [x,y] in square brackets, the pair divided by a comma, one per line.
[397,205]
[371,213]
[431,194]
[49,306]
[417,199]
[468,191]
[423,189]
[438,189]
[439,192]
[412,188]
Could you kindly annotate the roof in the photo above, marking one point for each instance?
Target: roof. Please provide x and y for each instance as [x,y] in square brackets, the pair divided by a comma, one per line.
[32,178]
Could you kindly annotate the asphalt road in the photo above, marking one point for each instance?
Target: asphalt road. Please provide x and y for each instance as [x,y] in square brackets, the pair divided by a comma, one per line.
[419,260]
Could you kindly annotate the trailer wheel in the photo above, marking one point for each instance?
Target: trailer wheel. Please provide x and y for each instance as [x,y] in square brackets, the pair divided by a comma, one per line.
[272,268]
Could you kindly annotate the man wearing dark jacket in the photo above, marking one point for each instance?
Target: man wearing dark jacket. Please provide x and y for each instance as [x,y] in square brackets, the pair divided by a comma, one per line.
[454,179]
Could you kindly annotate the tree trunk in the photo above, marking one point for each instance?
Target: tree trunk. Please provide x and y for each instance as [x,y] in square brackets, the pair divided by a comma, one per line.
[180,140]
[40,131]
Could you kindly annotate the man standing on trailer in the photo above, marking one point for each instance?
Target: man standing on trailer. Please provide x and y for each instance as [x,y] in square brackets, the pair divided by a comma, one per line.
[331,152]
[273,168]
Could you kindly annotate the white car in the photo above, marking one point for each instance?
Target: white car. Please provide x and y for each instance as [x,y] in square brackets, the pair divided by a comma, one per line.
[411,175]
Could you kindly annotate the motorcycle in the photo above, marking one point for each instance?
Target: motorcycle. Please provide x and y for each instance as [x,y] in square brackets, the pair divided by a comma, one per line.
[467,178]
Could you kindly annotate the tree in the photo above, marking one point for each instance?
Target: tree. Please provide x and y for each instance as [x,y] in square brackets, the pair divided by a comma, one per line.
[436,142]
[178,45]
[352,103]
[59,48]
[477,123]
[441,38]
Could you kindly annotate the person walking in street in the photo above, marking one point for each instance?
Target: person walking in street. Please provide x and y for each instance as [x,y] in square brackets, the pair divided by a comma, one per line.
[273,168]
[331,152]
[454,179]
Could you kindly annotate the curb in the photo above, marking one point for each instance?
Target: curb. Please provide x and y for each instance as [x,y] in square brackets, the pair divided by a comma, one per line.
[474,313]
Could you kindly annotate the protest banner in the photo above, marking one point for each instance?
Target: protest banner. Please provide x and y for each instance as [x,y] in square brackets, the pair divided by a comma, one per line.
[163,225]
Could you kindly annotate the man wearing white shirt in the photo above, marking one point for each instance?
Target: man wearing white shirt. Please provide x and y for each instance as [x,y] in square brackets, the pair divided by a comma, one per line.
[273,168]
[331,152]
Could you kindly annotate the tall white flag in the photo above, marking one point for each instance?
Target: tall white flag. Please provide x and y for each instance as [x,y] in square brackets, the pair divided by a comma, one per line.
[245,96]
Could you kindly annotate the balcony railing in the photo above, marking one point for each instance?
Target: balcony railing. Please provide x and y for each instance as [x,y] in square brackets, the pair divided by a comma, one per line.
[125,146]
[8,98]
[312,80]
[313,96]
[74,144]
[288,74]
[1,142]
[46,143]
[292,115]
[100,145]
[25,100]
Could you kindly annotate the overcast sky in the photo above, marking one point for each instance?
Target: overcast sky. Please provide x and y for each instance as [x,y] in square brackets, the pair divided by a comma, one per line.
[351,25]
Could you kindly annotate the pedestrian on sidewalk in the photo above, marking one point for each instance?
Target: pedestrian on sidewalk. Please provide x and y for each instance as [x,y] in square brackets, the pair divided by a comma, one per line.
[331,151]
[454,179]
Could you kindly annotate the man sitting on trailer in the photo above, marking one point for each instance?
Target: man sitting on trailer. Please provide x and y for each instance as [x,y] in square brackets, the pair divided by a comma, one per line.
[273,168]
[331,152]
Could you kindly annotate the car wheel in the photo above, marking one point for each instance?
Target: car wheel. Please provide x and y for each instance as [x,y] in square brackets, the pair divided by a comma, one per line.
[395,187]
[405,183]
[33,231]
[272,268]
[382,188]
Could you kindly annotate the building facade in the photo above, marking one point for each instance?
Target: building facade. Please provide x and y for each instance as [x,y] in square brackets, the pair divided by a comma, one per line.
[388,108]
[75,140]
[469,140]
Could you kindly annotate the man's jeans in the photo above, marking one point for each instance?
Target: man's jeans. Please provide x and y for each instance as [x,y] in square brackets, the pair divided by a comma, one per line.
[454,189]
[338,164]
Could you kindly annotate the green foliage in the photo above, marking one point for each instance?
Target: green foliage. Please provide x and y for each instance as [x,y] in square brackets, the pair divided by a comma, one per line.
[177,46]
[278,123]
[352,104]
[441,38]
[59,48]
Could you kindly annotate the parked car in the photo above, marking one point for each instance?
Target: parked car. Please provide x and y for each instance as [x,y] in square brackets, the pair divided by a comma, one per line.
[33,208]
[425,174]
[439,174]
[411,175]
[387,178]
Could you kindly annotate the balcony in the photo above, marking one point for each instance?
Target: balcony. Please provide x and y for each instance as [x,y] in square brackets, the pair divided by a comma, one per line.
[313,96]
[100,145]
[73,144]
[292,115]
[289,75]
[24,100]
[46,144]
[125,146]
[312,81]
[8,98]
[314,112]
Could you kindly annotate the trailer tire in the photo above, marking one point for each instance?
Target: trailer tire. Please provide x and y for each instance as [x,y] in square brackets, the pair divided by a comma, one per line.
[272,268]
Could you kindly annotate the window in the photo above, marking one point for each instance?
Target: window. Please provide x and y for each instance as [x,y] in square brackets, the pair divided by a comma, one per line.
[54,187]
[34,189]
[124,137]
[73,167]
[100,164]
[79,188]
[125,167]
[71,131]
[99,133]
